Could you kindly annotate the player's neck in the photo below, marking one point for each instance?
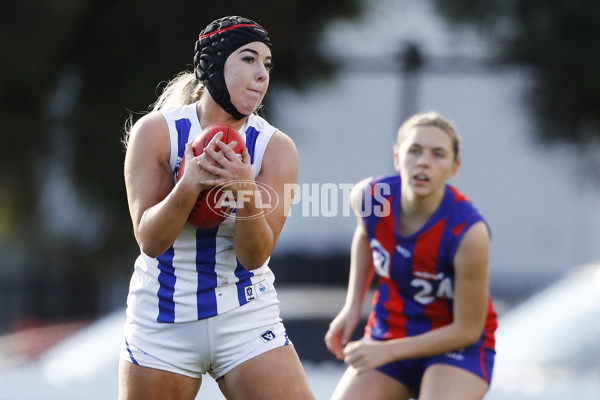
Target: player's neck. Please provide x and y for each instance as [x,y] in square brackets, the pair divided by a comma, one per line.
[415,212]
[412,205]
[210,113]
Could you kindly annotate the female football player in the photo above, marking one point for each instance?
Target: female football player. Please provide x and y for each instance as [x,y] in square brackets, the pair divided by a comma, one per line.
[431,329]
[202,300]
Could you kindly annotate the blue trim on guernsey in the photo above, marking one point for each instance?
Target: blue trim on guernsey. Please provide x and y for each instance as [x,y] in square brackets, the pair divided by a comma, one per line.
[251,136]
[206,299]
[166,277]
[183,126]
[166,290]
[244,280]
[381,325]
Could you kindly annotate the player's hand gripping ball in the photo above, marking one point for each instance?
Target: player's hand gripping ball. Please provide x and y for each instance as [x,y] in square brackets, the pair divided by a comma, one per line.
[209,212]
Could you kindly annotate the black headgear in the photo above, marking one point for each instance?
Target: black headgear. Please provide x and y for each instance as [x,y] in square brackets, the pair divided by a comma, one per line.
[216,42]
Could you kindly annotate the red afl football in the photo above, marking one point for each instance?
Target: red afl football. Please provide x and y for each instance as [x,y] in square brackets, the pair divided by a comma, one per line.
[210,208]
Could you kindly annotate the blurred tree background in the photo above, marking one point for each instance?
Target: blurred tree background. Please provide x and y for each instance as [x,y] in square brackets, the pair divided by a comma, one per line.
[558,40]
[72,71]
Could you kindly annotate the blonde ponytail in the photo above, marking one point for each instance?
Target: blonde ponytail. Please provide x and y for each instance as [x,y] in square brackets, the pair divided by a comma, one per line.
[182,90]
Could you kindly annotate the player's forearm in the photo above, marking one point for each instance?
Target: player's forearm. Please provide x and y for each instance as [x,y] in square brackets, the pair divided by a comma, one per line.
[160,224]
[438,341]
[361,271]
[253,240]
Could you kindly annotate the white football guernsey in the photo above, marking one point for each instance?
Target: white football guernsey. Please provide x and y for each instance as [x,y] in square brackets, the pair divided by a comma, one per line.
[199,276]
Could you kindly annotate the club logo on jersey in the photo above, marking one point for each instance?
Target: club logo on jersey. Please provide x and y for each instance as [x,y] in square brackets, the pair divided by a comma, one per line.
[381,259]
[249,290]
[267,335]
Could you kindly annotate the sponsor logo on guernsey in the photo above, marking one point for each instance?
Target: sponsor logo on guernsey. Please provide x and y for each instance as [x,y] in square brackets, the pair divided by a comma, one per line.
[426,275]
[403,251]
[261,286]
[253,291]
[267,335]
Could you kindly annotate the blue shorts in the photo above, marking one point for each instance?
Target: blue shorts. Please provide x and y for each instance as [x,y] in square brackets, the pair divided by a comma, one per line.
[475,359]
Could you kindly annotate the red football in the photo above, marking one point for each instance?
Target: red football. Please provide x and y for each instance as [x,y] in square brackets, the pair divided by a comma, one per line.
[208,212]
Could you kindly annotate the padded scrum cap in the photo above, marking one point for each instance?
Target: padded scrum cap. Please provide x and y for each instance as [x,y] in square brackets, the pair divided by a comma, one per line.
[215,43]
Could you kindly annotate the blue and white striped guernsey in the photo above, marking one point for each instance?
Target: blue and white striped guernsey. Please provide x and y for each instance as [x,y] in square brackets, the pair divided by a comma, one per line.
[199,276]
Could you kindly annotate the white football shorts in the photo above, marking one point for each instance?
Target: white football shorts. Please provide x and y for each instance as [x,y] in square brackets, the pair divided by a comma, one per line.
[215,345]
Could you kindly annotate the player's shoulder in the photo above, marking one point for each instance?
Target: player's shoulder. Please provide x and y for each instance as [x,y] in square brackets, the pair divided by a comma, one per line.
[279,143]
[458,196]
[261,125]
[461,212]
[150,131]
[359,188]
[460,202]
[282,145]
[149,123]
[187,111]
[280,155]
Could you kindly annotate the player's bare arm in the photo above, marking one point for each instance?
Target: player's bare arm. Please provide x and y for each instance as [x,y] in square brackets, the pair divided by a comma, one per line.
[361,275]
[255,238]
[158,208]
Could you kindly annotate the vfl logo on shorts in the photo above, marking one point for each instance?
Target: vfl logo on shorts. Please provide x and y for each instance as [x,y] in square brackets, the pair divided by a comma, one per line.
[267,335]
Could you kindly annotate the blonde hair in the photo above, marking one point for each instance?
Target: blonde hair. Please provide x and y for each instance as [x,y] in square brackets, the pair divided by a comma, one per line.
[431,118]
[182,90]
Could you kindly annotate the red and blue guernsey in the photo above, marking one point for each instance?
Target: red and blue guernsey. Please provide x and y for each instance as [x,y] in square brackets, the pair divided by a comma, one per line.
[416,273]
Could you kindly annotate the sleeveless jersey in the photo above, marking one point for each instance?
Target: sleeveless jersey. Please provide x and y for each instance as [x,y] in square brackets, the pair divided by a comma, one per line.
[416,273]
[199,275]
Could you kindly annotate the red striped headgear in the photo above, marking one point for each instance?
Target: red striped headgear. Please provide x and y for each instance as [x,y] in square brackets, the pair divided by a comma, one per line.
[216,42]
